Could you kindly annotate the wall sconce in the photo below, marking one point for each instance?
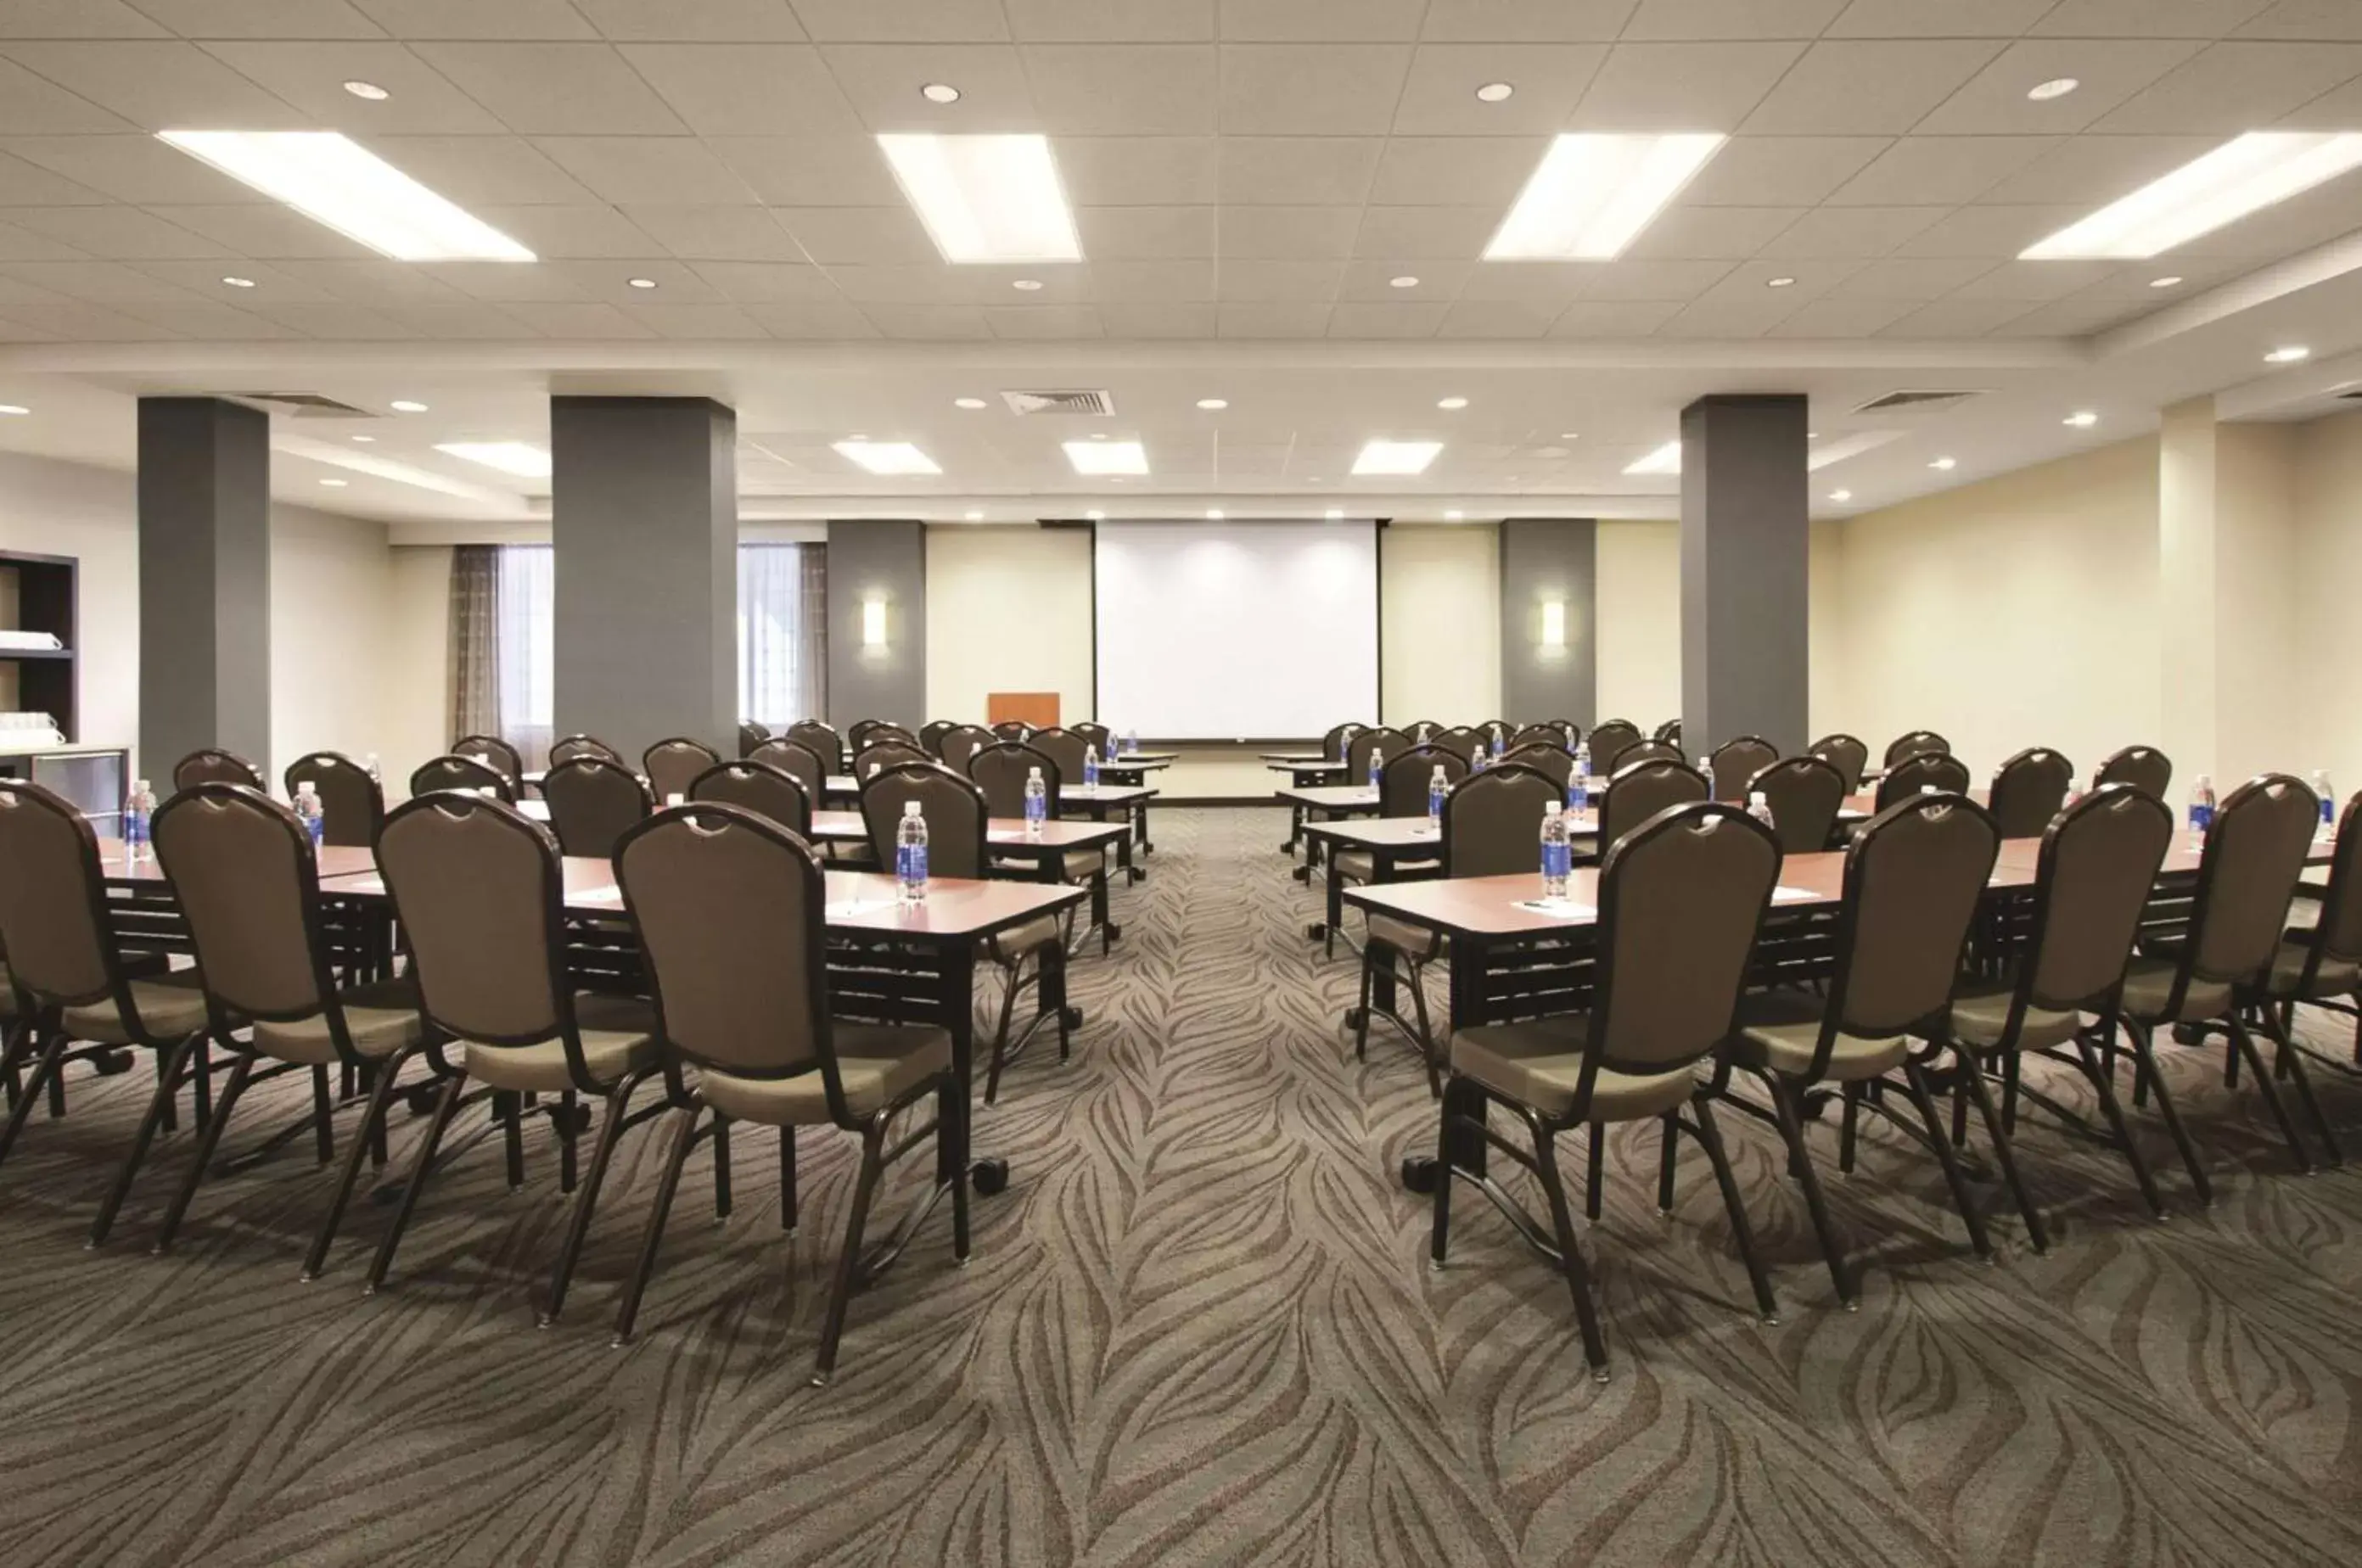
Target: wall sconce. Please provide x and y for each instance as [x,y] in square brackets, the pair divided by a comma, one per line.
[1553,624]
[873,623]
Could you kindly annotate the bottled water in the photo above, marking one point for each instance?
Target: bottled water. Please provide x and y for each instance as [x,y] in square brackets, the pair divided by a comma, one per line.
[2328,802]
[1037,802]
[1759,806]
[2201,811]
[1438,786]
[1091,767]
[910,855]
[1132,742]
[1377,765]
[307,808]
[1477,760]
[375,776]
[1583,759]
[138,810]
[1558,852]
[1578,791]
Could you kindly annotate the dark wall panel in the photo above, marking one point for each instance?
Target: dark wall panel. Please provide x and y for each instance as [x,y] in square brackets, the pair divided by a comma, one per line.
[885,562]
[1546,561]
[205,581]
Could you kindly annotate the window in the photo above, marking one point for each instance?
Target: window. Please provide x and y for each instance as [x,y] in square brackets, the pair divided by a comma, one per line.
[526,639]
[782,634]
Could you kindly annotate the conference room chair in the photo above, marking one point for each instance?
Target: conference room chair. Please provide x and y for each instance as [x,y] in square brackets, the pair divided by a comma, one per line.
[769,793]
[245,880]
[879,754]
[931,736]
[1610,740]
[351,803]
[1002,771]
[2143,767]
[1806,794]
[2319,962]
[820,739]
[1913,878]
[808,768]
[494,753]
[1646,751]
[1423,731]
[1387,744]
[1734,763]
[866,732]
[961,742]
[575,746]
[1847,754]
[1012,729]
[2028,790]
[87,1000]
[464,774]
[1340,735]
[1547,758]
[1640,790]
[591,800]
[1669,733]
[2246,879]
[671,766]
[479,892]
[211,764]
[1921,772]
[1462,739]
[2097,866]
[1496,734]
[1917,743]
[1679,905]
[729,910]
[958,819]
[1403,783]
[1065,748]
[1095,735]
[751,735]
[1541,735]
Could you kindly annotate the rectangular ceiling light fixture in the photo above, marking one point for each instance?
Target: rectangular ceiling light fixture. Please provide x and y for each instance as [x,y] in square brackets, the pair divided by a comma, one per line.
[1396,457]
[2242,176]
[333,179]
[1592,194]
[897,459]
[987,198]
[1665,459]
[1107,456]
[523,460]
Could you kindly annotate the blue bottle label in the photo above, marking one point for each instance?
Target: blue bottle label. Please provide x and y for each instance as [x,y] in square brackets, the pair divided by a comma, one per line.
[1035,806]
[2202,817]
[1557,859]
[1435,803]
[1578,798]
[911,862]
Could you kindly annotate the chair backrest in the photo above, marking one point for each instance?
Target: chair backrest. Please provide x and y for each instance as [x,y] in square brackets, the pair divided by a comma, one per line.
[493,753]
[1916,743]
[751,735]
[820,739]
[1648,752]
[2255,852]
[961,742]
[1460,738]
[1539,735]
[1012,729]
[2091,882]
[2339,934]
[1638,791]
[245,880]
[1610,739]
[1548,758]
[211,764]
[931,733]
[1064,748]
[575,746]
[1914,875]
[730,911]
[770,793]
[1806,794]
[1919,773]
[460,772]
[2143,767]
[1423,731]
[1001,771]
[879,755]
[1668,732]
[1385,743]
[1094,734]
[1402,781]
[954,808]
[1734,763]
[481,896]
[53,920]
[1496,734]
[1333,743]
[870,731]
[591,802]
[672,766]
[799,761]
[2028,790]
[1679,902]
[1492,820]
[351,803]
[1847,753]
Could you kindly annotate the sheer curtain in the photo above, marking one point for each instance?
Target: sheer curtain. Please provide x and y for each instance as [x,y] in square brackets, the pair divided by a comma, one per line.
[527,640]
[782,634]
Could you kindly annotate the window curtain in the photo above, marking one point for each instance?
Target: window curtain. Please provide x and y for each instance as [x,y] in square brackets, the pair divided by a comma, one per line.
[782,634]
[474,705]
[527,616]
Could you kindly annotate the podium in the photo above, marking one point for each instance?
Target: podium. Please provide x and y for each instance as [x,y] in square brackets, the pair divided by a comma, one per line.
[1039,709]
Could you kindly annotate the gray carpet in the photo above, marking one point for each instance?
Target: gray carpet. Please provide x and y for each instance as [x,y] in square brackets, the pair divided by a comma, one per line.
[1200,1327]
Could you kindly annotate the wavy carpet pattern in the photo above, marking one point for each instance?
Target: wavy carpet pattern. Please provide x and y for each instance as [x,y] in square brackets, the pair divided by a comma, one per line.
[1200,1327]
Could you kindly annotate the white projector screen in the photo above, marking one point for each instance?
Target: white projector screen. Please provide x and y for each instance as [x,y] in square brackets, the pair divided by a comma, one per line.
[1236,631]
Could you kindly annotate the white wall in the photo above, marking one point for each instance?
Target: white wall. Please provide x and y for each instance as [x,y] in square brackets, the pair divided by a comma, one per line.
[1439,624]
[1638,616]
[1009,609]
[2327,641]
[66,509]
[414,715]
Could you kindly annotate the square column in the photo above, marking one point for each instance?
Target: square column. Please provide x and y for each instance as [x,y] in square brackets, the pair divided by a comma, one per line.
[1746,545]
[204,582]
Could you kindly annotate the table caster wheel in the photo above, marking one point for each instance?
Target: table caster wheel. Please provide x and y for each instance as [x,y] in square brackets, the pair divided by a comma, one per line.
[1302,874]
[421,1097]
[2188,1034]
[1354,1018]
[1072,1017]
[1317,929]
[1419,1174]
[990,1175]
[1138,876]
[1114,932]
[111,1064]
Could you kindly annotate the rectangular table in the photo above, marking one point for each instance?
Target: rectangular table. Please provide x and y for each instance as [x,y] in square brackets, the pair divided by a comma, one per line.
[1390,841]
[1130,800]
[1006,836]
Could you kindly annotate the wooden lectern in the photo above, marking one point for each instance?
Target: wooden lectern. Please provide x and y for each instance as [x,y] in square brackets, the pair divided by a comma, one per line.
[1039,709]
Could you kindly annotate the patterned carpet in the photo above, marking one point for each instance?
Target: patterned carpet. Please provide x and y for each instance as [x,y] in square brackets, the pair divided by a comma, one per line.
[1199,1329]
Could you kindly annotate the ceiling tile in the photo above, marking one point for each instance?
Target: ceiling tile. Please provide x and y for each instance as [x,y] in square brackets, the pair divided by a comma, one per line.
[1711,233]
[1145,233]
[30,105]
[555,232]
[2094,170]
[1829,317]
[1439,279]
[1665,20]
[1497,318]
[1123,171]
[1868,88]
[1648,280]
[2035,279]
[1545,282]
[482,171]
[204,280]
[1528,21]
[1997,232]
[1937,18]
[211,320]
[928,321]
[1439,98]
[1914,277]
[1748,286]
[1455,170]
[503,282]
[117,233]
[1151,89]
[1042,322]
[1133,282]
[88,323]
[583,319]
[1954,318]
[810,171]
[1262,282]
[2338,110]
[1592,318]
[747,89]
[2330,20]
[1994,102]
[76,19]
[997,284]
[158,85]
[1287,232]
[1331,21]
[824,320]
[1850,233]
[882,81]
[1727,319]
[556,89]
[673,170]
[1351,320]
[2233,87]
[1298,170]
[913,283]
[767,282]
[1680,87]
[677,283]
[1461,232]
[24,245]
[1310,89]
[1156,321]
[692,21]
[2068,318]
[476,20]
[483,323]
[135,169]
[696,321]
[24,184]
[902,21]
[260,18]
[1947,171]
[717,234]
[1111,21]
[1271,320]
[312,77]
[868,236]
[373,281]
[2146,18]
[1781,172]
[337,323]
[98,282]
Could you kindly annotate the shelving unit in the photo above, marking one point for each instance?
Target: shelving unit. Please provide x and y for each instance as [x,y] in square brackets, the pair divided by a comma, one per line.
[47,598]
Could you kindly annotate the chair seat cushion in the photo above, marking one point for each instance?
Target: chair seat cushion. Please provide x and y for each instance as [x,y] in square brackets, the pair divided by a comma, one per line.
[2149,988]
[170,1008]
[380,1019]
[1781,1030]
[878,1064]
[1081,865]
[1540,1064]
[2337,977]
[618,1037]
[1354,865]
[1979,1019]
[1410,940]
[1013,944]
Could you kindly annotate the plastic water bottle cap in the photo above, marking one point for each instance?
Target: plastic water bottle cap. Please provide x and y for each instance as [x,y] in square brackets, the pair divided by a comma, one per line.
[1756,798]
[909,808]
[1550,809]
[1929,789]
[675,799]
[139,786]
[1035,775]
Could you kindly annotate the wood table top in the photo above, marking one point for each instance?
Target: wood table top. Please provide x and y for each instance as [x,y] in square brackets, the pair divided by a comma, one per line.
[1398,832]
[1068,794]
[1057,833]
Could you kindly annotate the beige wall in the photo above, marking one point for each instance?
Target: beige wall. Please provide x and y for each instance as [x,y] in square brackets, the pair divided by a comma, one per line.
[1639,621]
[416,668]
[1439,624]
[2326,646]
[1009,609]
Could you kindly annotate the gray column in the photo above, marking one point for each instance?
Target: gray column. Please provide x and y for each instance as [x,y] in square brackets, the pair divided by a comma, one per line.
[643,514]
[1745,563]
[883,564]
[204,582]
[1546,562]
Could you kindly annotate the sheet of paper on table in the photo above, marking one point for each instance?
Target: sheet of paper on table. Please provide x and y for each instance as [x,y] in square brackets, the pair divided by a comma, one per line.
[1559,908]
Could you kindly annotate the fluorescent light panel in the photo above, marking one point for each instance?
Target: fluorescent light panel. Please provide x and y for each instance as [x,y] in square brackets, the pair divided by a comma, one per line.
[1396,457]
[518,457]
[334,180]
[2242,176]
[1665,459]
[894,459]
[985,198]
[1591,194]
[1107,456]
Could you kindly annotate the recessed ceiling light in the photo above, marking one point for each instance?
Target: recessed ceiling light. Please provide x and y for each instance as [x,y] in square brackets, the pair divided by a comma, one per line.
[1334,513]
[892,457]
[1028,285]
[939,92]
[2287,356]
[1812,435]
[239,283]
[2241,176]
[974,516]
[1405,281]
[967,402]
[1454,515]
[1214,514]
[1396,457]
[517,457]
[1591,194]
[1212,403]
[1099,436]
[336,484]
[1665,459]
[368,89]
[985,198]
[1840,495]
[1455,404]
[2165,282]
[1568,435]
[1107,456]
[1494,92]
[1096,516]
[641,282]
[405,406]
[14,409]
[2082,419]
[1781,282]
[2056,87]
[365,440]
[1313,480]
[1946,464]
[333,179]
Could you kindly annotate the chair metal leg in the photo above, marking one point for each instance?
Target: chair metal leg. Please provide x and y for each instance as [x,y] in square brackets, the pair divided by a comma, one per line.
[1916,1077]
[568,1106]
[171,1065]
[445,1106]
[1710,1137]
[2288,1058]
[1848,1126]
[1361,1014]
[629,1310]
[2008,1089]
[324,1107]
[1668,1151]
[2104,1084]
[2246,1045]
[578,1226]
[1429,1049]
[371,1140]
[208,1141]
[952,1121]
[45,1073]
[1457,1094]
[2144,1055]
[1578,1277]
[12,1049]
[788,1180]
[865,1188]
[508,1109]
[1595,1162]
[1997,1129]
[1001,1035]
[1800,1159]
[720,1167]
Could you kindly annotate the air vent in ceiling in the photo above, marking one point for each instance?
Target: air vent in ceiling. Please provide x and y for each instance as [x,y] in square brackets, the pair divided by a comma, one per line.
[1916,401]
[306,405]
[1098,405]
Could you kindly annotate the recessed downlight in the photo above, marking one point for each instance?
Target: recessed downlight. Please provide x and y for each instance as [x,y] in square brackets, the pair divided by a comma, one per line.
[1214,514]
[641,282]
[1096,515]
[2287,356]
[1840,495]
[406,406]
[1454,515]
[1494,92]
[1405,281]
[2166,281]
[8,408]
[365,440]
[1211,404]
[336,484]
[973,516]
[1452,404]
[1945,464]
[2081,419]
[1781,282]
[239,283]
[1334,513]
[2056,87]
[368,89]
[1026,285]
[939,92]
[967,402]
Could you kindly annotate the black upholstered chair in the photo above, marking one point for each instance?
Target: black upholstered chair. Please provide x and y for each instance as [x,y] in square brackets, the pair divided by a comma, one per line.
[1846,753]
[211,764]
[2143,767]
[465,774]
[770,792]
[494,753]
[591,802]
[351,802]
[671,766]
[751,735]
[575,746]
[1637,791]
[2027,792]
[1919,773]
[1734,763]
[1610,739]
[1806,794]
[1916,743]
